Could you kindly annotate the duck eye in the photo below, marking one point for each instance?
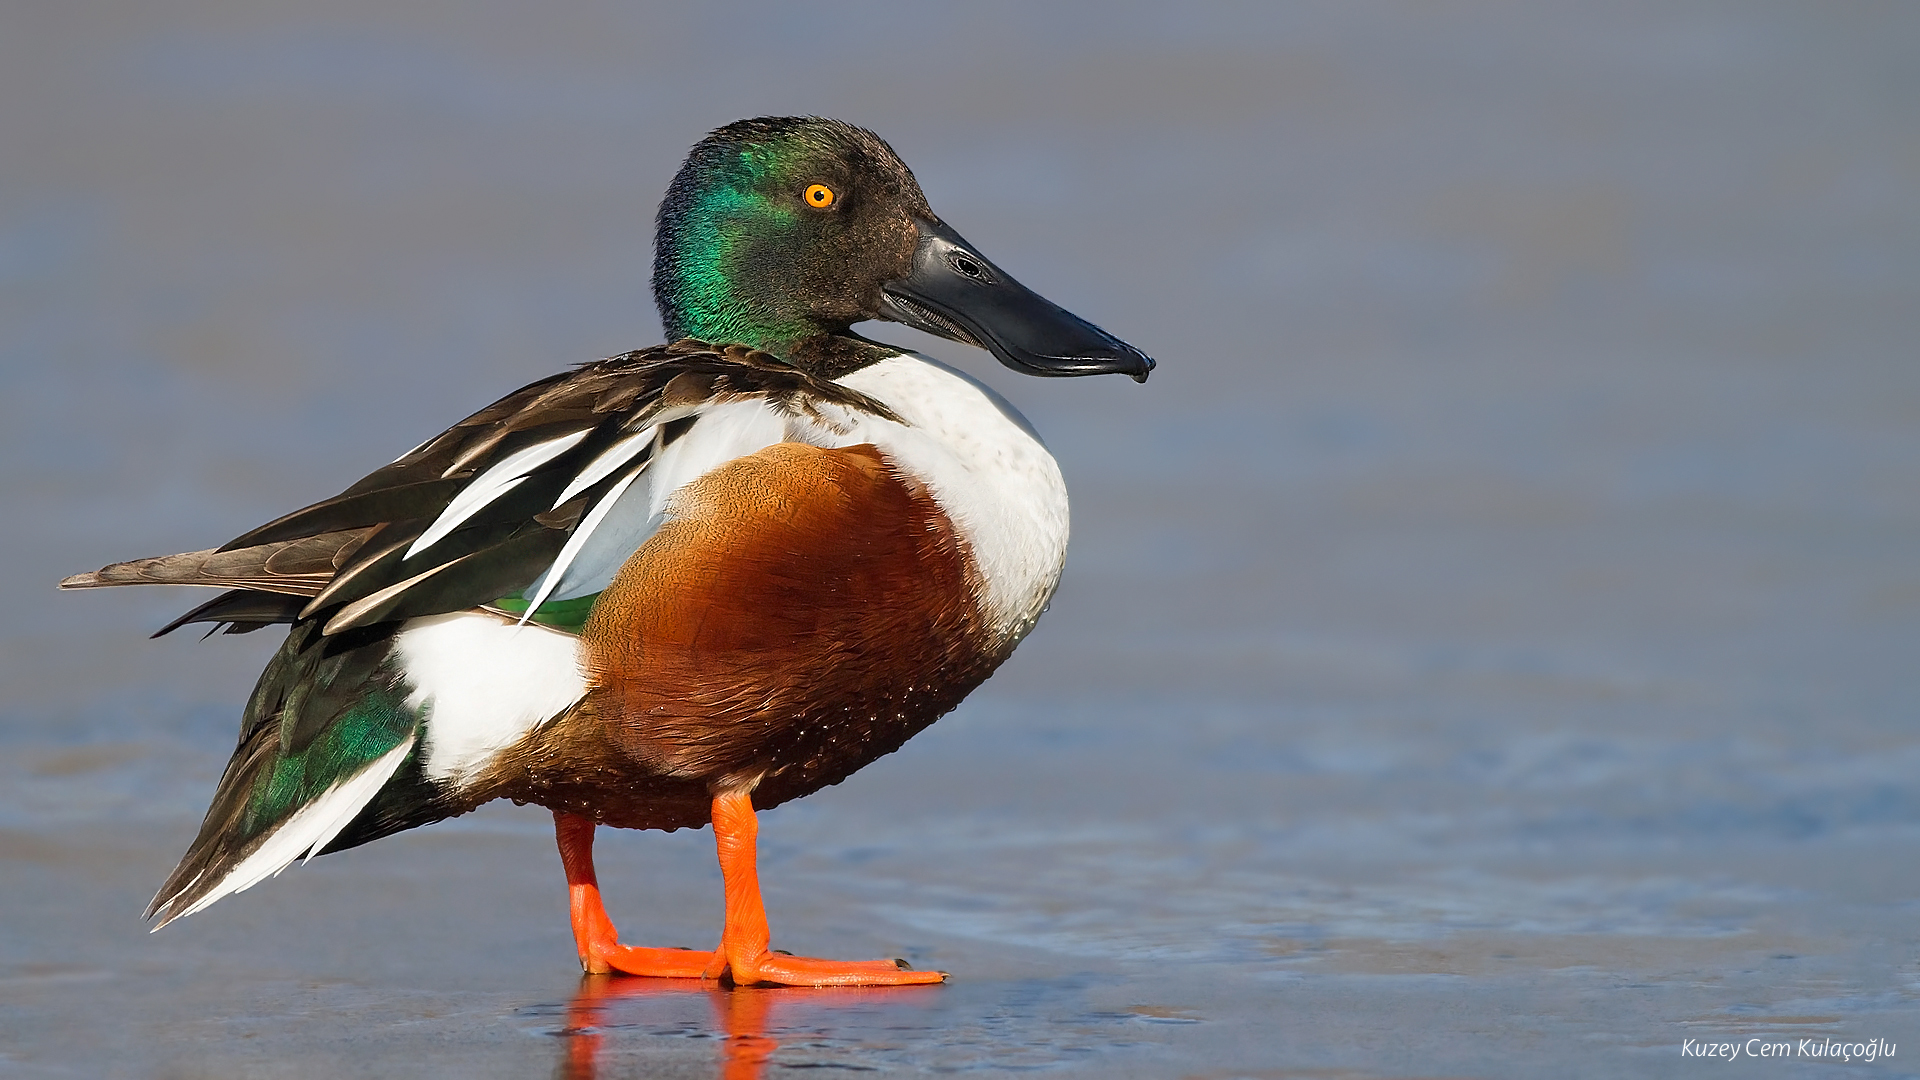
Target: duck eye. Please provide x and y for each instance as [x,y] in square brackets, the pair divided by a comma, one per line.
[819,196]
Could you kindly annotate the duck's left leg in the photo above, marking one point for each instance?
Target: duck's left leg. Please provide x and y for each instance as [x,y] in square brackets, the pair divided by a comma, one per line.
[593,932]
[743,952]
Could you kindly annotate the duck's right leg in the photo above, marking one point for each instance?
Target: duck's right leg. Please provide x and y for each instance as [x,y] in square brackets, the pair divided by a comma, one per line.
[593,932]
[743,955]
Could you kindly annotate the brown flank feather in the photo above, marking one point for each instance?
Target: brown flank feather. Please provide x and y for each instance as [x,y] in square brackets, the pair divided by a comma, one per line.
[802,612]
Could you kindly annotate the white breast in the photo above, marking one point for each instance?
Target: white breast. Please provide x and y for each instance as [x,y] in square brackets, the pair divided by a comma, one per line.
[986,468]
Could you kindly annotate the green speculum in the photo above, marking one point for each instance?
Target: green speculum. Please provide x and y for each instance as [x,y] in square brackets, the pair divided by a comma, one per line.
[568,615]
[375,724]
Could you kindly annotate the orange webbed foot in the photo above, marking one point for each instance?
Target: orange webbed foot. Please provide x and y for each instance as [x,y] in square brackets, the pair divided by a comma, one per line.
[606,955]
[765,967]
[640,960]
[743,954]
[593,932]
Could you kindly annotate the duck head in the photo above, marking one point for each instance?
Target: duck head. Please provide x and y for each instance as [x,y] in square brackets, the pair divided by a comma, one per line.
[782,232]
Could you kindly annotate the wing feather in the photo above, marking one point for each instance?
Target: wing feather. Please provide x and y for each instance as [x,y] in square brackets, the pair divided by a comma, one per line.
[543,492]
[242,610]
[350,511]
[469,581]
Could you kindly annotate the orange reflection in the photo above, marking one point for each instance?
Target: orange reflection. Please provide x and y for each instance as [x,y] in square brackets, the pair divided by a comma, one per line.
[743,1017]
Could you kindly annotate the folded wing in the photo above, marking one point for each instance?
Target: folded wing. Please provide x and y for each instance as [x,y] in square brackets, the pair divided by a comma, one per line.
[528,507]
[535,499]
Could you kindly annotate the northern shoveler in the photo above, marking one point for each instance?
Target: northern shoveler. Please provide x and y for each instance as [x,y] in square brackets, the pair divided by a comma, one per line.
[664,589]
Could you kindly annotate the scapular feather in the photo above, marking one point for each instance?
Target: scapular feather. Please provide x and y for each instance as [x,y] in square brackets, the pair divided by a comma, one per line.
[469,581]
[387,566]
[367,571]
[424,498]
[518,503]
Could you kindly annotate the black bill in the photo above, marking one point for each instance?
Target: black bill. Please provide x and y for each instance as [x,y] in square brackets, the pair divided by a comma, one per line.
[955,293]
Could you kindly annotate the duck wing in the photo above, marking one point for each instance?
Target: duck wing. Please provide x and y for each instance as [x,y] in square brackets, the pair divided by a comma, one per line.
[533,499]
[531,503]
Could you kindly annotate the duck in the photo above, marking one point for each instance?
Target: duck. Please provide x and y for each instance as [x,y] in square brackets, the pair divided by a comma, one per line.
[673,588]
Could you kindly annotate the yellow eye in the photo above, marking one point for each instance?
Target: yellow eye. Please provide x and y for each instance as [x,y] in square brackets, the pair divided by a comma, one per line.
[819,196]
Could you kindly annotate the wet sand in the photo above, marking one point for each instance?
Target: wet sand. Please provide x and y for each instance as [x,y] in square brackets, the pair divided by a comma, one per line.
[1488,646]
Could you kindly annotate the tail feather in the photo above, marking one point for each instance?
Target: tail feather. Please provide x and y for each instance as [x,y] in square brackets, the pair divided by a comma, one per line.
[299,567]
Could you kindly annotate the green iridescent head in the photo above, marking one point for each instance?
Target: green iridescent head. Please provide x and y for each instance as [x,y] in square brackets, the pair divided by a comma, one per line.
[781,233]
[781,229]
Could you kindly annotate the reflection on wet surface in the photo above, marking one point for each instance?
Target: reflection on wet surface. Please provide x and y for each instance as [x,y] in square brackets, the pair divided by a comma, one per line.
[616,1026]
[1487,646]
[749,1023]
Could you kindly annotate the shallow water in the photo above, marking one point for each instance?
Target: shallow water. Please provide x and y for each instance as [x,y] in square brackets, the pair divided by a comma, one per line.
[1489,643]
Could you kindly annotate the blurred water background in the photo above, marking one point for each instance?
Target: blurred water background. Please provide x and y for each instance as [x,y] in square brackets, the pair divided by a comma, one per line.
[1489,644]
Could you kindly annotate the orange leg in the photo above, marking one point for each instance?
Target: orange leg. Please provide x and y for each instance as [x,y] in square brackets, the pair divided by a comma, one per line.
[593,932]
[743,952]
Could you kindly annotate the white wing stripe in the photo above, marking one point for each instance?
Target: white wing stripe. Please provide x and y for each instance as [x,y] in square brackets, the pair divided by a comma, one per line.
[602,467]
[578,540]
[471,500]
[721,433]
[503,477]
